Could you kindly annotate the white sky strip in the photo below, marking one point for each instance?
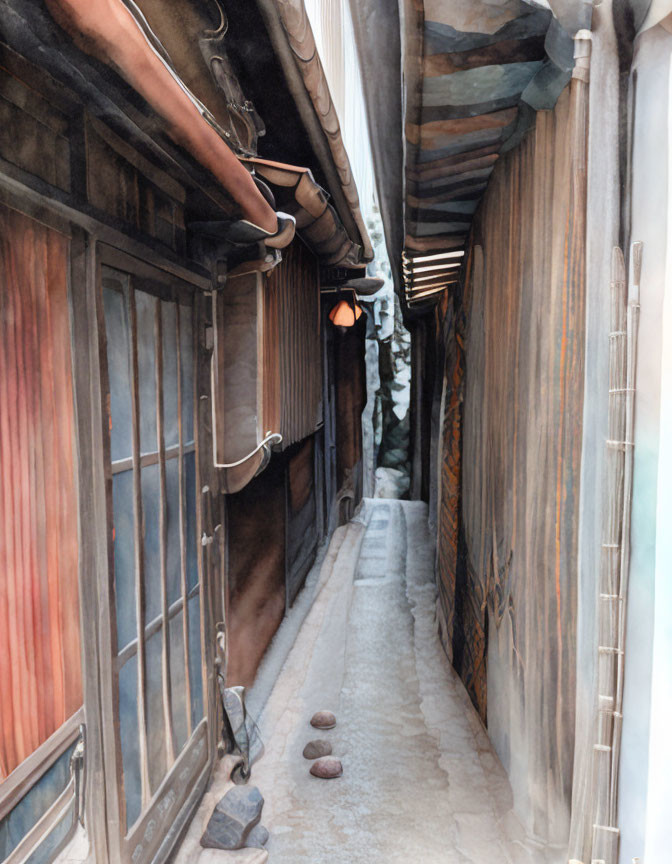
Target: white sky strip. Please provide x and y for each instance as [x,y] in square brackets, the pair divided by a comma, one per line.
[335,40]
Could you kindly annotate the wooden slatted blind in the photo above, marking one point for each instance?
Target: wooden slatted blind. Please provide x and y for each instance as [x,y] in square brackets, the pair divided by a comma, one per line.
[292,352]
[40,662]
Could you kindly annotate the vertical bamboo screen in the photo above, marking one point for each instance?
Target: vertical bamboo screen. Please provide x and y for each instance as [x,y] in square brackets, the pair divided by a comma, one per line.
[40,661]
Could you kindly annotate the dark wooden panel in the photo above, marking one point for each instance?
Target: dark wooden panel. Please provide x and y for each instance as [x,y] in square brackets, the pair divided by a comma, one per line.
[302,525]
[40,660]
[350,392]
[256,570]
[33,133]
[125,185]
[292,349]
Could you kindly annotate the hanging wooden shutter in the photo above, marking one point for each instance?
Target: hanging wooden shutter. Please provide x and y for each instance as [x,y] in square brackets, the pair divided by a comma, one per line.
[267,370]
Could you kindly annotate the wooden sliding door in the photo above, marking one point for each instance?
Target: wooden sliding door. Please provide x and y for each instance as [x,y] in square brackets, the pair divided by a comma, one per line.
[159,752]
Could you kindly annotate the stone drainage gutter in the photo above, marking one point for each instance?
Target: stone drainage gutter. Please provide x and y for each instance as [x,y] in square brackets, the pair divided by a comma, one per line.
[302,646]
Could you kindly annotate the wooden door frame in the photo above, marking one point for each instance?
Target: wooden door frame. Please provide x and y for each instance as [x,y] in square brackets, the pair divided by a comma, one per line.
[86,236]
[200,750]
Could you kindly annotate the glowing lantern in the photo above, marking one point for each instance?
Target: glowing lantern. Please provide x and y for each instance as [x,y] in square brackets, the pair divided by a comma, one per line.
[344,314]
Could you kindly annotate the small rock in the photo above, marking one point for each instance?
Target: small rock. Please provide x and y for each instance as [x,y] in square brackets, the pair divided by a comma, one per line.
[315,749]
[323,720]
[258,837]
[327,768]
[233,818]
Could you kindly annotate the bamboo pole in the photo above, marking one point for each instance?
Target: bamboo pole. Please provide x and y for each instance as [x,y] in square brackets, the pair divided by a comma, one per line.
[632,328]
[615,560]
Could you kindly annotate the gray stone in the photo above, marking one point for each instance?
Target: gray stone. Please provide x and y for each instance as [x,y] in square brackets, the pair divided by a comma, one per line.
[233,818]
[327,768]
[258,837]
[323,720]
[315,749]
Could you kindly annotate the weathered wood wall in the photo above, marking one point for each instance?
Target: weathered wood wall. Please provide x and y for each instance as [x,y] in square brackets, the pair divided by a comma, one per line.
[40,660]
[349,372]
[274,529]
[303,528]
[508,518]
[292,349]
[256,570]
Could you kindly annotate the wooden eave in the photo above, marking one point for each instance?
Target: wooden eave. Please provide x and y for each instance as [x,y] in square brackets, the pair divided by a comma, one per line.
[293,42]
[34,49]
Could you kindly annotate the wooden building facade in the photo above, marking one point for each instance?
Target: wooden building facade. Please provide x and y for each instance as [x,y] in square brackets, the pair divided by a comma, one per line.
[171,451]
[532,273]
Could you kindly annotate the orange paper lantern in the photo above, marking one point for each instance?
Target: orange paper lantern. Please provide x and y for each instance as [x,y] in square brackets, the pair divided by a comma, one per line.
[344,314]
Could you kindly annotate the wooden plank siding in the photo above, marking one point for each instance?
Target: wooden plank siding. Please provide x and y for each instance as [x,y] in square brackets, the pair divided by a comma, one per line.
[40,659]
[349,371]
[256,570]
[510,462]
[303,529]
[292,365]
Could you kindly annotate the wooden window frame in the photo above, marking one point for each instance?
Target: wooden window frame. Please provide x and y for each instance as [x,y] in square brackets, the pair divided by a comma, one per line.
[28,773]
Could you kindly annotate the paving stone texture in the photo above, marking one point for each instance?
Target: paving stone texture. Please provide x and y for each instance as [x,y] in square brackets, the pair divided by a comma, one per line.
[421,782]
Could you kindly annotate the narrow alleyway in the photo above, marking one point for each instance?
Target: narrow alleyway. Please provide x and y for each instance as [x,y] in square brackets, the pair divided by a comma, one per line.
[420,781]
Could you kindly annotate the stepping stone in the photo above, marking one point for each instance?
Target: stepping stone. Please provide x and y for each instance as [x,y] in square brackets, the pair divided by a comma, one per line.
[233,818]
[315,749]
[323,720]
[327,768]
[258,837]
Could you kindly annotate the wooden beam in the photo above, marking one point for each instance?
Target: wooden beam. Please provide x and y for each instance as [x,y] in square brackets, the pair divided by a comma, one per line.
[163,539]
[138,531]
[439,241]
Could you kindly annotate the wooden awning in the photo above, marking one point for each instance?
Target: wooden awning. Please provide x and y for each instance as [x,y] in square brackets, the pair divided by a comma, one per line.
[474,75]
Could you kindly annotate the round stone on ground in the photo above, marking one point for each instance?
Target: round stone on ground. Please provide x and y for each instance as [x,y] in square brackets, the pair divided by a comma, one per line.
[327,768]
[323,720]
[315,749]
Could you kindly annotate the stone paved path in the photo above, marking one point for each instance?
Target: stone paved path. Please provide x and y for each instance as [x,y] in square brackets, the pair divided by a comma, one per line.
[421,782]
